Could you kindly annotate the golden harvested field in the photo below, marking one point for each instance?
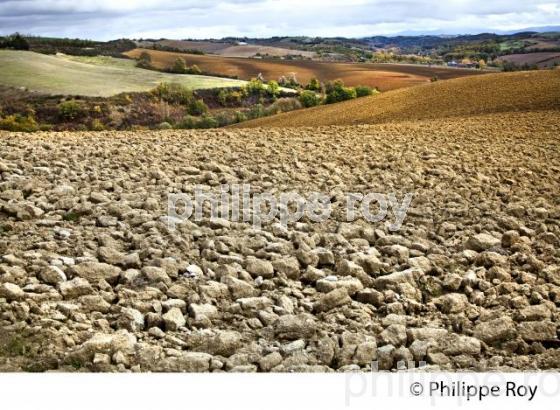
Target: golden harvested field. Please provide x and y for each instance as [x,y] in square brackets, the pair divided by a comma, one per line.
[462,97]
[383,76]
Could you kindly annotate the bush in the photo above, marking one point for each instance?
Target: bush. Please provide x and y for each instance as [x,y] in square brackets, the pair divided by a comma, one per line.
[173,93]
[273,89]
[164,126]
[256,111]
[179,66]
[314,85]
[197,107]
[206,121]
[70,110]
[18,123]
[337,92]
[363,91]
[230,97]
[289,81]
[309,98]
[283,105]
[96,125]
[193,69]
[255,87]
[144,61]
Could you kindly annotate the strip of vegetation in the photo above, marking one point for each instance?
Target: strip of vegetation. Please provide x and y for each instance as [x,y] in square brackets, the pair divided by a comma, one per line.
[77,47]
[169,105]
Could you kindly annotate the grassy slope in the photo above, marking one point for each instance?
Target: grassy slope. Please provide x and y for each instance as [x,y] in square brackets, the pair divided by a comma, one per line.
[461,97]
[383,76]
[103,76]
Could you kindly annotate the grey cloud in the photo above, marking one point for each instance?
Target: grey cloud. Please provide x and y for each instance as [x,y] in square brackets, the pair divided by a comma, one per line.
[105,19]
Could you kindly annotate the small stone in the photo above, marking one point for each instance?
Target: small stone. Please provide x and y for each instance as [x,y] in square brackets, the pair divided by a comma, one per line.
[95,271]
[288,266]
[270,361]
[452,303]
[482,242]
[292,327]
[52,275]
[259,267]
[393,335]
[335,298]
[371,296]
[174,319]
[385,357]
[537,331]
[495,331]
[11,292]
[75,288]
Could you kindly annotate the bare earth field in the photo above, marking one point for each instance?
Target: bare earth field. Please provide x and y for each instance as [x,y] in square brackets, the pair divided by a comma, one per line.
[541,60]
[93,278]
[501,92]
[229,50]
[383,76]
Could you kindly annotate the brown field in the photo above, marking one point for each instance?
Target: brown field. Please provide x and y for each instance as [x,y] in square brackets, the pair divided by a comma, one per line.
[541,60]
[92,268]
[228,49]
[383,76]
[462,97]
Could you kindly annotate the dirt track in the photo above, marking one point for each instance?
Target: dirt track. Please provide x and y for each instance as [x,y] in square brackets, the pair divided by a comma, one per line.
[91,278]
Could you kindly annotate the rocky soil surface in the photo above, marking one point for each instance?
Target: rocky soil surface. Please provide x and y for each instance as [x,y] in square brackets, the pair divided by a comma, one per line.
[93,279]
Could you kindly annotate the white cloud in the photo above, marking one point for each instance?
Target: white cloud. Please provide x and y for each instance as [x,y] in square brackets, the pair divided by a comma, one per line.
[108,19]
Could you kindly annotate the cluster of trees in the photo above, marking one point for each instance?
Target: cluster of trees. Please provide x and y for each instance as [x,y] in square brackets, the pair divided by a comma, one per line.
[180,67]
[15,41]
[71,46]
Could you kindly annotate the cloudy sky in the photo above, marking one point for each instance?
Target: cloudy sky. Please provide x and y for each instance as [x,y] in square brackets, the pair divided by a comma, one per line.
[109,19]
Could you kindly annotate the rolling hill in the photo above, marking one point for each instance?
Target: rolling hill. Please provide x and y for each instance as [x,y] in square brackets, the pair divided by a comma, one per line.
[383,76]
[90,76]
[462,97]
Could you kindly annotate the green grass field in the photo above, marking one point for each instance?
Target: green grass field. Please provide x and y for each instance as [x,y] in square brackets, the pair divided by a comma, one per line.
[90,76]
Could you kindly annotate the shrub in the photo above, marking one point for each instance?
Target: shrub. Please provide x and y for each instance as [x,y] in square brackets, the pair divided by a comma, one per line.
[309,98]
[289,81]
[144,61]
[193,69]
[255,87]
[273,89]
[18,123]
[256,111]
[206,121]
[96,125]
[240,116]
[197,107]
[336,92]
[314,85]
[179,66]
[173,93]
[283,105]
[164,126]
[231,97]
[70,110]
[363,91]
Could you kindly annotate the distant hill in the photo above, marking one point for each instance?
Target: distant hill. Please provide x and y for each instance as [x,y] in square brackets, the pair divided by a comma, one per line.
[461,97]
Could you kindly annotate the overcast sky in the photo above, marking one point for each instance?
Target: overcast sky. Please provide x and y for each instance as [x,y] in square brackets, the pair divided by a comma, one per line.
[109,19]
